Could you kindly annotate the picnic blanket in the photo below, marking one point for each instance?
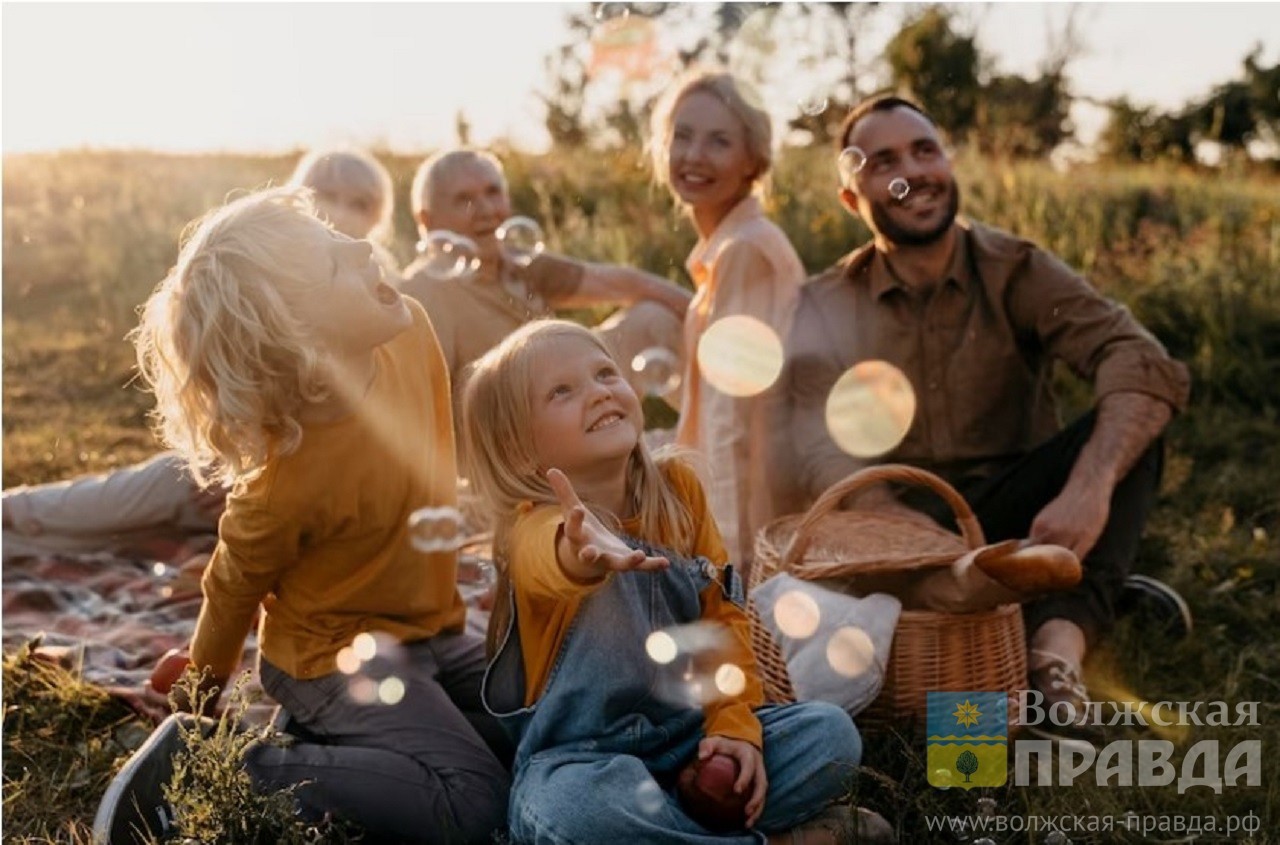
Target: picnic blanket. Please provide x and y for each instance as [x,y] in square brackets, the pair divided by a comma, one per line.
[109,617]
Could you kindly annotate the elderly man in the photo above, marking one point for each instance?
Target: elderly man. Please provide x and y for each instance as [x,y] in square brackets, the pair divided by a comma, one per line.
[975,317]
[464,191]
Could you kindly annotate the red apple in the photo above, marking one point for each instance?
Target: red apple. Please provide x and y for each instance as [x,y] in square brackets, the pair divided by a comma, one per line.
[169,669]
[706,792]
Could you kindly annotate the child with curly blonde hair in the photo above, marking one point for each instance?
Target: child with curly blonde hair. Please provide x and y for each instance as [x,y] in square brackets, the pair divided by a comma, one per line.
[156,504]
[600,546]
[284,365]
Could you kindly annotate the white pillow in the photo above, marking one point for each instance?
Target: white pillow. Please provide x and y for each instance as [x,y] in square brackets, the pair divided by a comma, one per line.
[836,646]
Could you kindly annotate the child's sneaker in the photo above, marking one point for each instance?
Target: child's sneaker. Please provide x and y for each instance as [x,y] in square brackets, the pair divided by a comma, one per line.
[134,808]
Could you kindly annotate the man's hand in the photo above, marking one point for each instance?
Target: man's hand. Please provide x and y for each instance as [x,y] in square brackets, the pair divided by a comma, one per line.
[1074,519]
[750,770]
[588,549]
[1127,424]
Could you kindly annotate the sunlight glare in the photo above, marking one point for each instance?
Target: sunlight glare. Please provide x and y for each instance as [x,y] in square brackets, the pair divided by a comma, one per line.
[870,408]
[740,355]
[850,651]
[797,614]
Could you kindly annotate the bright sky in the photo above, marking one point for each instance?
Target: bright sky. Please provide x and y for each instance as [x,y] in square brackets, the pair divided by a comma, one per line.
[274,77]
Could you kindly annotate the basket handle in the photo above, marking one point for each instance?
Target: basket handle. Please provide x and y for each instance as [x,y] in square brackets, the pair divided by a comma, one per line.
[970,529]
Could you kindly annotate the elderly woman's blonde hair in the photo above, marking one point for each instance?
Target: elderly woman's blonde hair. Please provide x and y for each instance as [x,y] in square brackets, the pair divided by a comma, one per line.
[219,345]
[352,172]
[429,175]
[502,462]
[742,100]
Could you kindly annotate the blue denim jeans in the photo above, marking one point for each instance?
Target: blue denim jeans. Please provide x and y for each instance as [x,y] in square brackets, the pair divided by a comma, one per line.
[598,753]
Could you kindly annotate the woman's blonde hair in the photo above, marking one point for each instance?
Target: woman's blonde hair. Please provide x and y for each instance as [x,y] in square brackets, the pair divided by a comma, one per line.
[503,465]
[738,96]
[351,172]
[219,345]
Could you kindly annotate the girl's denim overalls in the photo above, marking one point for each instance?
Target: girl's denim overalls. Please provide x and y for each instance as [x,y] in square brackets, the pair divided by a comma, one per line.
[598,753]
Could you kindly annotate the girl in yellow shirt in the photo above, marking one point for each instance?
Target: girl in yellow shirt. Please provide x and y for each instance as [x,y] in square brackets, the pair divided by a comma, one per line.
[285,366]
[600,546]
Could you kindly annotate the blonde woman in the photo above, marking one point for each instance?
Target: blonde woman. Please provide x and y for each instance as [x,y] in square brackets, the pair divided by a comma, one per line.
[712,147]
[285,366]
[353,191]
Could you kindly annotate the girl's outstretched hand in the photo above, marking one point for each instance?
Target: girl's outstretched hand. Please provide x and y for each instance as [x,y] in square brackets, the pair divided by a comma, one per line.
[750,770]
[589,549]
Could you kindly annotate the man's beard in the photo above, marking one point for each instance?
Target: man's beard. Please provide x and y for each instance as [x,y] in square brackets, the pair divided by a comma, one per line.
[899,235]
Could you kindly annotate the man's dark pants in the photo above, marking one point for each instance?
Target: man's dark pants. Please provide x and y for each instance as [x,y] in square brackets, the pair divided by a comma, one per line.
[1007,502]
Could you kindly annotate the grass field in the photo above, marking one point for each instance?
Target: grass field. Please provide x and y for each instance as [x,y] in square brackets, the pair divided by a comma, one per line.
[1195,255]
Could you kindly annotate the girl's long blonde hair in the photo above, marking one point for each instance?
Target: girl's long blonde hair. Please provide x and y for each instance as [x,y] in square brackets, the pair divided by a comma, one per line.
[229,363]
[503,465]
[350,171]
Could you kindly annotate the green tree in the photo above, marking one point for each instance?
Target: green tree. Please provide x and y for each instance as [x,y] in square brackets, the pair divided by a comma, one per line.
[760,42]
[1233,114]
[1023,117]
[1264,93]
[940,64]
[967,764]
[565,98]
[1141,133]
[939,67]
[1227,115]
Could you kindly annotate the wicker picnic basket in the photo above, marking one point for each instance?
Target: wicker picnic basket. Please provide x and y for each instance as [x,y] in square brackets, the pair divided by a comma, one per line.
[932,651]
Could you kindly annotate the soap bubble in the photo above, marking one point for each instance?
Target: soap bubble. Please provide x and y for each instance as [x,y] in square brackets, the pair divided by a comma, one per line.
[448,255]
[850,163]
[813,103]
[797,614]
[391,691]
[375,665]
[476,571]
[650,797]
[850,651]
[661,647]
[694,663]
[740,355]
[438,529]
[899,188]
[612,11]
[522,239]
[658,371]
[870,408]
[730,680]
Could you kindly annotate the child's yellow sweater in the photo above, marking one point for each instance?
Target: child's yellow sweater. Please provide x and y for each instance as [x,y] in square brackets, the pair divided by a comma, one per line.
[547,601]
[320,536]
